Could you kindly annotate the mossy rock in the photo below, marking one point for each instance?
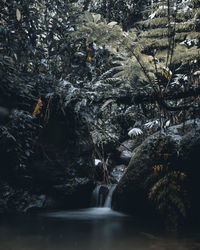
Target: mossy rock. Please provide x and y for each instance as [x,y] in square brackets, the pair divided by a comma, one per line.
[131,194]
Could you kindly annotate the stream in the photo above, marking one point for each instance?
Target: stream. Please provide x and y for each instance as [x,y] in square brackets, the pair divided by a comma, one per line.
[94,228]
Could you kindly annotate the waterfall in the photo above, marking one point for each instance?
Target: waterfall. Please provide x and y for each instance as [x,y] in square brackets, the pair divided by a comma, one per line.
[102,195]
[109,196]
[97,198]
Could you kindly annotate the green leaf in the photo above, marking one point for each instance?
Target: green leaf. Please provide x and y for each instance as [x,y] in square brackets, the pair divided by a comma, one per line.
[96,17]
[88,16]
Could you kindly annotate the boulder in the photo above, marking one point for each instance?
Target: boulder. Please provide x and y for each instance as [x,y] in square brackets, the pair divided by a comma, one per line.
[18,200]
[76,193]
[127,147]
[131,193]
[126,155]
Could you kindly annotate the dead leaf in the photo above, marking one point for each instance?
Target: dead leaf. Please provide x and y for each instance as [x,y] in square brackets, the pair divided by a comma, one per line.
[37,108]
[89,57]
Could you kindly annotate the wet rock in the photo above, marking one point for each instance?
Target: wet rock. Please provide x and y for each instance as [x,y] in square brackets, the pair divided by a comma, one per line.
[76,193]
[38,202]
[64,189]
[126,155]
[18,200]
[72,186]
[117,173]
[127,147]
[131,194]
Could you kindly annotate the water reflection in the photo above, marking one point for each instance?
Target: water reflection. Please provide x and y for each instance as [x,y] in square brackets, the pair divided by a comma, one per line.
[86,229]
[94,213]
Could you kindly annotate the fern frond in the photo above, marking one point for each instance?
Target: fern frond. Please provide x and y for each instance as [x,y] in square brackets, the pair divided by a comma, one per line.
[152,124]
[112,80]
[157,186]
[135,132]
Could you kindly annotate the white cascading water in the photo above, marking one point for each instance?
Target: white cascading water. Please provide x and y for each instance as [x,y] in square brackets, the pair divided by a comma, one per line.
[98,199]
[100,206]
[108,200]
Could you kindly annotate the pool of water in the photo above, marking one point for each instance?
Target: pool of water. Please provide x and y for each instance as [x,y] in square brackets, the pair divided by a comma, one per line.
[87,229]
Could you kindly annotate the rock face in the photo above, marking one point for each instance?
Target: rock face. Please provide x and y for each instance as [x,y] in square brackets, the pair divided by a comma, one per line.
[131,194]
[19,200]
[117,173]
[127,147]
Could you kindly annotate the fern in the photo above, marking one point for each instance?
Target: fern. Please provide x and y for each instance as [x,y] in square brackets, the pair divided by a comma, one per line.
[152,124]
[135,132]
[167,189]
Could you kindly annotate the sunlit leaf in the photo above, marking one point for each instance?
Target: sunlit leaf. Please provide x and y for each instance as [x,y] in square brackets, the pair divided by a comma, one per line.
[15,56]
[96,17]
[18,15]
[135,132]
[112,23]
[152,124]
